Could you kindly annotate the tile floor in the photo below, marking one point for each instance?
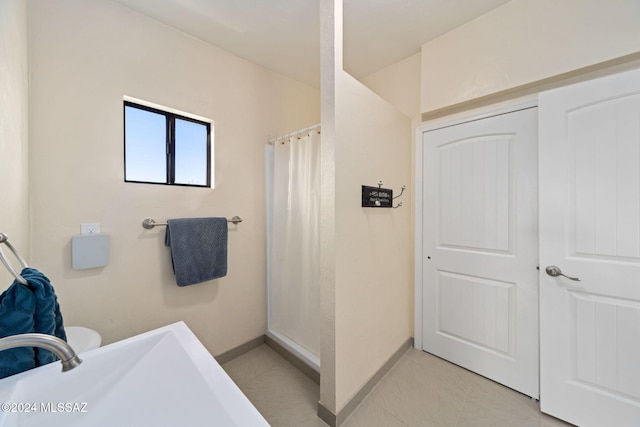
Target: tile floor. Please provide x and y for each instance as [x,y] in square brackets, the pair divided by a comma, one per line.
[420,390]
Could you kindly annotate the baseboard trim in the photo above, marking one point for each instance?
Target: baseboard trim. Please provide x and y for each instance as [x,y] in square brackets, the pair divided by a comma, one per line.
[326,415]
[227,356]
[290,357]
[336,420]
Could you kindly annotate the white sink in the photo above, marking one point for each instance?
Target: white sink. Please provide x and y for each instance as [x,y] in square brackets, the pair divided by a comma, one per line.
[164,377]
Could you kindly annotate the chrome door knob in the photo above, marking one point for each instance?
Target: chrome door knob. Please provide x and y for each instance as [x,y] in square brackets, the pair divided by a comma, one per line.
[554,271]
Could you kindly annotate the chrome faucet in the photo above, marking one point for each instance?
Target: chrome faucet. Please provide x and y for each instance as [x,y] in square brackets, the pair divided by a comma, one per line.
[59,347]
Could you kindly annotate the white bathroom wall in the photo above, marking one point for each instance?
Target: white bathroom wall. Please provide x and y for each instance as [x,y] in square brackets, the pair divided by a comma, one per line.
[330,68]
[373,248]
[14,183]
[399,85]
[366,253]
[85,56]
[524,42]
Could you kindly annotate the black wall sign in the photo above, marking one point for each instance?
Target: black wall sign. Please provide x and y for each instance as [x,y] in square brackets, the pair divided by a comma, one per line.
[376,197]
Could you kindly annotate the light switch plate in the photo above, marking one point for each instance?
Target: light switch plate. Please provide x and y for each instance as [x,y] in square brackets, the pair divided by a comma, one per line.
[90,228]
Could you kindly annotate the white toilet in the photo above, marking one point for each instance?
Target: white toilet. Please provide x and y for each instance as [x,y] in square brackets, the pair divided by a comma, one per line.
[82,339]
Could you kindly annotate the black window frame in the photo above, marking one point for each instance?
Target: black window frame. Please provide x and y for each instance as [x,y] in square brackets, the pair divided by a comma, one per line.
[170,144]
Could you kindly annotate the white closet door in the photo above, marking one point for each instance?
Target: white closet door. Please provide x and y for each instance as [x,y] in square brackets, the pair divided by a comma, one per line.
[480,296]
[590,229]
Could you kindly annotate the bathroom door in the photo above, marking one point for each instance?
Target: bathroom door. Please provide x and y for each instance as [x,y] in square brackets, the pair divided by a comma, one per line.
[590,229]
[480,247]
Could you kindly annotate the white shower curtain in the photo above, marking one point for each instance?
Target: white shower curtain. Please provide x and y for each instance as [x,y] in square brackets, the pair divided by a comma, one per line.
[294,253]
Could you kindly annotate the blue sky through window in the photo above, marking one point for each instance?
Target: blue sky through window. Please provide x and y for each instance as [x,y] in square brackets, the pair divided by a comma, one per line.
[148,147]
[191,153]
[145,148]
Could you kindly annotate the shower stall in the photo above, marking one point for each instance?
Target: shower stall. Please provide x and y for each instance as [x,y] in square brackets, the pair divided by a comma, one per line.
[293,242]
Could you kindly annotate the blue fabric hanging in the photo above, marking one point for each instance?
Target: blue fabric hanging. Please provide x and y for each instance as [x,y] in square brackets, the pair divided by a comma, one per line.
[31,308]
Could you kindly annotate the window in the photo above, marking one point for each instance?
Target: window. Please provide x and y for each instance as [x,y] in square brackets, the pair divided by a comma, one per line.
[162,147]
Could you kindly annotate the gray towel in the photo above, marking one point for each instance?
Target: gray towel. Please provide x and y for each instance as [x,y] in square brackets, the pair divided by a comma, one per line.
[198,249]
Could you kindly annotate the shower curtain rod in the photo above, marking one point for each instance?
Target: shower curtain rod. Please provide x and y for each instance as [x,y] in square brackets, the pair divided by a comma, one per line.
[290,134]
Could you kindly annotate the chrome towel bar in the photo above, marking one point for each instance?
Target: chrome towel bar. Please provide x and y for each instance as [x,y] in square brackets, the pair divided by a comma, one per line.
[4,239]
[150,223]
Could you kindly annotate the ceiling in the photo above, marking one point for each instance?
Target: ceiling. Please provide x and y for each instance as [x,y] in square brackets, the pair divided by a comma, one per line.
[283,35]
